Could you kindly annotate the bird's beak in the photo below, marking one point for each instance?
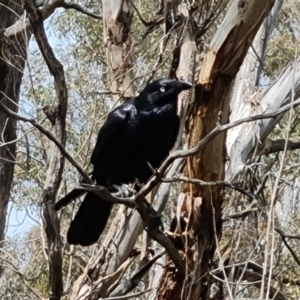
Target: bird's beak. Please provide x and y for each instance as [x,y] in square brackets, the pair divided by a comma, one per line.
[180,86]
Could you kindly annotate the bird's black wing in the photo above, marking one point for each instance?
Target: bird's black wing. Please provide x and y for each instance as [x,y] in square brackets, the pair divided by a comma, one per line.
[115,123]
[109,133]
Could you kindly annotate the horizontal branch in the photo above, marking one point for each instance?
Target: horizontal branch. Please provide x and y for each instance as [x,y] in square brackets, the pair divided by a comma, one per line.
[47,10]
[234,186]
[238,215]
[273,146]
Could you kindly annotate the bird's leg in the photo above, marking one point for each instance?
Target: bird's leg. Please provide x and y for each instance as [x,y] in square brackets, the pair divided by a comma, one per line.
[155,217]
[122,191]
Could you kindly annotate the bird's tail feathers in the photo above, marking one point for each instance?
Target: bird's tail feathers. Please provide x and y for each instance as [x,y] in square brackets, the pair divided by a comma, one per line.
[89,221]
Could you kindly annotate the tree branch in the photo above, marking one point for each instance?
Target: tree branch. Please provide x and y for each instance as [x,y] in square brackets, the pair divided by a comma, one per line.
[185,179]
[46,11]
[272,146]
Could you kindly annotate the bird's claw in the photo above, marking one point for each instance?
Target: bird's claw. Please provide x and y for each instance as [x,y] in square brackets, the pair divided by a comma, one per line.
[123,191]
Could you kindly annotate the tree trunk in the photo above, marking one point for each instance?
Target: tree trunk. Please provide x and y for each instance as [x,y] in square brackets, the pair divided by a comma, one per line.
[12,61]
[201,212]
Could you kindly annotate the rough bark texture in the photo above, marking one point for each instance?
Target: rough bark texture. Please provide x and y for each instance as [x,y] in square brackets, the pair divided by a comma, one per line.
[202,207]
[12,61]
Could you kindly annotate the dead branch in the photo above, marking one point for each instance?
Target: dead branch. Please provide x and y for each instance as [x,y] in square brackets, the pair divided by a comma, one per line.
[48,8]
[297,237]
[291,250]
[234,186]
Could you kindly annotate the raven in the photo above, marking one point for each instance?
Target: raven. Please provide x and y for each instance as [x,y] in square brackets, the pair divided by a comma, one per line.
[140,132]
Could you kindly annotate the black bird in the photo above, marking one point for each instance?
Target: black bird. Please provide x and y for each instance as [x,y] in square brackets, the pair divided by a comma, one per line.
[139,132]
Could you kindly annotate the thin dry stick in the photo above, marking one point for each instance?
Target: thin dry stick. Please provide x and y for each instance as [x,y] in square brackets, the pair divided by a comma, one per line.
[273,201]
[218,250]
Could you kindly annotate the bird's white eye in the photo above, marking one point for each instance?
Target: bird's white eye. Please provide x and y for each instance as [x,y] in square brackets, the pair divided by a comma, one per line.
[162,89]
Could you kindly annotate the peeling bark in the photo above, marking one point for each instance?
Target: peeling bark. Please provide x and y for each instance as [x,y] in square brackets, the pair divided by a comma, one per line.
[201,210]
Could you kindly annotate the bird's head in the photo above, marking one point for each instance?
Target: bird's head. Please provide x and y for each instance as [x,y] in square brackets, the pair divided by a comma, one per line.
[164,91]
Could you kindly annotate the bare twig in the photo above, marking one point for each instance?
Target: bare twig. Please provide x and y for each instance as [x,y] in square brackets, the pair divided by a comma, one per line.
[297,237]
[200,182]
